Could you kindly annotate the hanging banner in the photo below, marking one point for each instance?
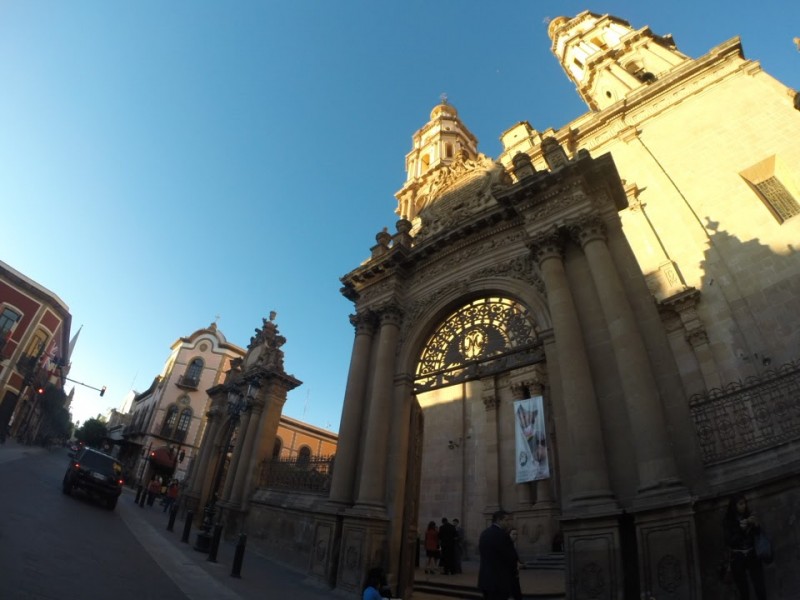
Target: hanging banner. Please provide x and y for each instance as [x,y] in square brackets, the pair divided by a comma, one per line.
[532,462]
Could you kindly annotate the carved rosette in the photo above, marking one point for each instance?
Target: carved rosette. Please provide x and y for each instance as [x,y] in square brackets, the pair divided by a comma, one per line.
[546,246]
[588,229]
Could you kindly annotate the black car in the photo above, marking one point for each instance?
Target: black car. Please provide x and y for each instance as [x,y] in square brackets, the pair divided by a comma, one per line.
[95,473]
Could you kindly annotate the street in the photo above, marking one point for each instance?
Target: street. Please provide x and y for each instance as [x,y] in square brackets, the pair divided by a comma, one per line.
[58,546]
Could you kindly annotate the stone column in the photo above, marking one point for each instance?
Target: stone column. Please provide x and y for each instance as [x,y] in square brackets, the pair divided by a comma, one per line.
[233,467]
[247,445]
[544,487]
[655,464]
[201,466]
[589,478]
[492,448]
[372,484]
[350,426]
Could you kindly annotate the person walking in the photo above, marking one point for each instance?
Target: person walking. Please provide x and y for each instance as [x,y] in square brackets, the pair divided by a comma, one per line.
[499,560]
[153,489]
[447,542]
[740,528]
[431,547]
[172,495]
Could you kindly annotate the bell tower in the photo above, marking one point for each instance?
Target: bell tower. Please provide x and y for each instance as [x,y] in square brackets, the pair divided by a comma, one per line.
[443,140]
[607,59]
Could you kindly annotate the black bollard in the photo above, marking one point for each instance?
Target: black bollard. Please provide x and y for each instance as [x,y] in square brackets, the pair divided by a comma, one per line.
[142,498]
[138,494]
[187,526]
[212,553]
[236,571]
[173,512]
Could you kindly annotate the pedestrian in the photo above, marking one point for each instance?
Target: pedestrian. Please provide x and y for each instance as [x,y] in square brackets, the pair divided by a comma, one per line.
[517,593]
[740,527]
[459,548]
[171,495]
[447,542]
[499,559]
[375,585]
[153,489]
[431,547]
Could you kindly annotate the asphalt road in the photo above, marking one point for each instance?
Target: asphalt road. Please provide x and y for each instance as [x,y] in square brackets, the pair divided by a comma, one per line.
[54,546]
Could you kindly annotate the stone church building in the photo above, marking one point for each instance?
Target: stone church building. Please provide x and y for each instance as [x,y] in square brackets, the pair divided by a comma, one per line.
[639,270]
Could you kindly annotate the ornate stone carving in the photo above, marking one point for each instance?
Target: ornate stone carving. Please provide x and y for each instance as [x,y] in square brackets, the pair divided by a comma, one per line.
[587,229]
[390,314]
[264,348]
[548,245]
[364,322]
[554,155]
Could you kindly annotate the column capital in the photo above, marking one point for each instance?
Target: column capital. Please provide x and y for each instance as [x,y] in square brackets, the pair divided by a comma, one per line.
[390,314]
[364,322]
[546,246]
[588,229]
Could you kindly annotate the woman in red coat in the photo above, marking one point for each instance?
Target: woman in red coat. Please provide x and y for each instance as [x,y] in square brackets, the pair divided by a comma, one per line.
[431,547]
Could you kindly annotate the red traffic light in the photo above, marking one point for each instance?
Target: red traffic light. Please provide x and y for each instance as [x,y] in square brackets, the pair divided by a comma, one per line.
[102,391]
[40,390]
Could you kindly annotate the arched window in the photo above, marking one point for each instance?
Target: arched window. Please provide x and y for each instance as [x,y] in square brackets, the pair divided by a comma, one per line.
[192,376]
[304,456]
[276,449]
[183,424]
[169,421]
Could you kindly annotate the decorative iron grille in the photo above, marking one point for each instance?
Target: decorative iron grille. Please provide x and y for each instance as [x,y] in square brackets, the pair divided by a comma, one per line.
[745,417]
[312,474]
[488,335]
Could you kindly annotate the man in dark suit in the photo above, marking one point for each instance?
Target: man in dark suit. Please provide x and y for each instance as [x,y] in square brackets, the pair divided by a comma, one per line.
[498,570]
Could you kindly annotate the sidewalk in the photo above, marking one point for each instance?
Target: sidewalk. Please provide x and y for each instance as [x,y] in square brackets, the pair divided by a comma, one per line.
[263,577]
[203,580]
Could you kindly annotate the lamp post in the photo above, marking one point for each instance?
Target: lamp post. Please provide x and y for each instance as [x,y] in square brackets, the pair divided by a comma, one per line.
[237,404]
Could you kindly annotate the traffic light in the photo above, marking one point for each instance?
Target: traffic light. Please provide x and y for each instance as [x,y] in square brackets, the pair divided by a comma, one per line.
[40,390]
[102,391]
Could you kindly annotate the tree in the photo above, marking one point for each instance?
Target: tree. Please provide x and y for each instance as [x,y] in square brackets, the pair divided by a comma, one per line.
[92,432]
[56,423]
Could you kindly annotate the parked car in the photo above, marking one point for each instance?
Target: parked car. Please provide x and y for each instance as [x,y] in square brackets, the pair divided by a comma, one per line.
[95,473]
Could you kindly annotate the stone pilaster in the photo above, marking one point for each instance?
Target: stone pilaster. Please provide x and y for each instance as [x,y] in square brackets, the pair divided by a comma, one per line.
[233,467]
[249,430]
[492,456]
[350,427]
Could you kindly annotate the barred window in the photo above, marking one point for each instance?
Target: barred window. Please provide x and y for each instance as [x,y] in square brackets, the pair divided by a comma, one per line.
[777,198]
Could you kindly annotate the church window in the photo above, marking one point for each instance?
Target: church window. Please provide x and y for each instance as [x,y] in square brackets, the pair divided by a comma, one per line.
[771,182]
[777,198]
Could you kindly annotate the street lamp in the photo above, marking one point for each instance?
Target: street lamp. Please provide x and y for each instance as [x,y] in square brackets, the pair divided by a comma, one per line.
[237,404]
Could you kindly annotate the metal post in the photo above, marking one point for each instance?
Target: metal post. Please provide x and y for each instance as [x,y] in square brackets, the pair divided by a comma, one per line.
[212,553]
[142,498]
[187,526]
[173,512]
[138,494]
[236,571]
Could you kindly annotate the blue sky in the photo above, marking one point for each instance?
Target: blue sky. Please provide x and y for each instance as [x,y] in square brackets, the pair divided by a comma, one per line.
[162,163]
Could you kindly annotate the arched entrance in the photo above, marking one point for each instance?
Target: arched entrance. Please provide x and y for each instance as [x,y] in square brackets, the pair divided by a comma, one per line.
[482,358]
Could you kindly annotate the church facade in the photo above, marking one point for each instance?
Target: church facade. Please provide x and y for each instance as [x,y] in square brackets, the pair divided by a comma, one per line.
[636,274]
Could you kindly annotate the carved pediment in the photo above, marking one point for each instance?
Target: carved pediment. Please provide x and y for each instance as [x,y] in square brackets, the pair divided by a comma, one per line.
[457,191]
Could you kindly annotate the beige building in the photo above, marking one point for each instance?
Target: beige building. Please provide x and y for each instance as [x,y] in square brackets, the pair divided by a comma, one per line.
[166,421]
[638,270]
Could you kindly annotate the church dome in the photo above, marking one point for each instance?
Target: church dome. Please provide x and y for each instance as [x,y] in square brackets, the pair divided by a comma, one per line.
[555,24]
[443,109]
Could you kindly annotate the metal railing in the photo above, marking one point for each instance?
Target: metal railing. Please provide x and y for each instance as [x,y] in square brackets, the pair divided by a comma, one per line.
[746,417]
[311,474]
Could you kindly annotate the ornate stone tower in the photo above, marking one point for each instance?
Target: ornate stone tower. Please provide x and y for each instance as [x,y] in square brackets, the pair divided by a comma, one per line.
[442,141]
[607,59]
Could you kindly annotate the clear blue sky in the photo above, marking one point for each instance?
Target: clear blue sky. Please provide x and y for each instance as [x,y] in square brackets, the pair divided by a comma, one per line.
[164,162]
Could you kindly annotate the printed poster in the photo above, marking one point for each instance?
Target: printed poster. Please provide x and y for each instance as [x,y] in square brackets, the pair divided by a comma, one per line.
[531,441]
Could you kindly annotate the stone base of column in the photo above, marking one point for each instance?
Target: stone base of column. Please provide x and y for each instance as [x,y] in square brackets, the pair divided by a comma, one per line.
[537,529]
[593,558]
[325,549]
[595,502]
[369,510]
[668,492]
[363,545]
[667,552]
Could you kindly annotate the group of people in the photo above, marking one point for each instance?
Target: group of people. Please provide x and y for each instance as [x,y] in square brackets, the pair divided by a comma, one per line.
[168,492]
[444,547]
